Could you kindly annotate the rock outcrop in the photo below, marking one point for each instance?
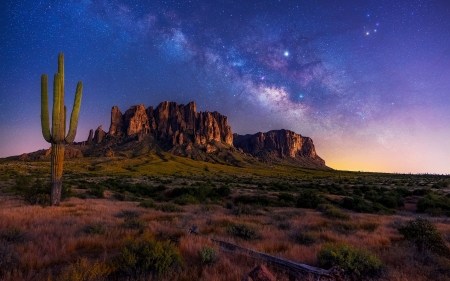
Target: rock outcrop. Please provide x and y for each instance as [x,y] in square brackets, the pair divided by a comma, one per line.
[181,130]
[91,135]
[99,135]
[177,124]
[278,143]
[115,129]
[259,273]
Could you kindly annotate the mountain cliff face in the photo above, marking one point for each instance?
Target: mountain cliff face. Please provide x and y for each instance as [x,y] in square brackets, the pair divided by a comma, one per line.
[181,130]
[172,123]
[277,144]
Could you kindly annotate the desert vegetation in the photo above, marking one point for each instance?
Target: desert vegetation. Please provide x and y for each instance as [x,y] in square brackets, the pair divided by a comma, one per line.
[128,219]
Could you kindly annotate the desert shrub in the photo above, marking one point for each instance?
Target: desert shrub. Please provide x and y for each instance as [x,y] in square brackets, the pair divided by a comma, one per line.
[404,192]
[134,223]
[128,214]
[33,192]
[208,255]
[169,208]
[97,191]
[336,189]
[425,236]
[147,204]
[138,189]
[304,237]
[421,191]
[202,192]
[357,204]
[377,207]
[4,177]
[434,204]
[255,200]
[391,200]
[186,199]
[119,196]
[357,264]
[13,235]
[147,256]
[95,228]
[243,210]
[286,199]
[9,259]
[371,195]
[332,212]
[244,231]
[308,199]
[344,227]
[441,184]
[83,270]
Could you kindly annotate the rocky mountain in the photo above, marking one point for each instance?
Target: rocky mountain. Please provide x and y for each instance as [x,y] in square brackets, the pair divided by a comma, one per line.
[279,144]
[181,130]
[172,123]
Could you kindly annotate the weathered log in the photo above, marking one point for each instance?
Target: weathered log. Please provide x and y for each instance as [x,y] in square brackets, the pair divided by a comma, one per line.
[293,269]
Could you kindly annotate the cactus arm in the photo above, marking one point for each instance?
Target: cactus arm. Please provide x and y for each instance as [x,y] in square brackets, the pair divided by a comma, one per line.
[56,108]
[61,69]
[62,125]
[65,114]
[74,116]
[44,109]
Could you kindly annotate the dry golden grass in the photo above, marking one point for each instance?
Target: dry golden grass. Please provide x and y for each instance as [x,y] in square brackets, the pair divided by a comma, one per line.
[58,246]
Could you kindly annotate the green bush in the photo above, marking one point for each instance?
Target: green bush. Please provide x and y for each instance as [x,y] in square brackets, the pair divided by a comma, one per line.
[119,196]
[169,208]
[145,257]
[147,204]
[207,255]
[332,212]
[243,210]
[304,237]
[308,199]
[186,199]
[97,191]
[95,228]
[244,231]
[37,192]
[357,264]
[134,223]
[434,204]
[255,200]
[286,199]
[425,236]
[357,204]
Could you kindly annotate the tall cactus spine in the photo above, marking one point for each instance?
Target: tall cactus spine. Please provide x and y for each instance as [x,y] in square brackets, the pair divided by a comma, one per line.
[57,137]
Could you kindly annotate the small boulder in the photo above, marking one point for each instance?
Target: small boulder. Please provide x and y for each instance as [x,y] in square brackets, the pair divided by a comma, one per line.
[259,273]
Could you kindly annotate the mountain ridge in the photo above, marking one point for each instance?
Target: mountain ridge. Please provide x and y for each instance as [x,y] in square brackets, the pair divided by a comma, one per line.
[181,130]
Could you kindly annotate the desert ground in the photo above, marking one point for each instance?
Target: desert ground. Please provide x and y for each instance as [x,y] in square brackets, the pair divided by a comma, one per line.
[129,219]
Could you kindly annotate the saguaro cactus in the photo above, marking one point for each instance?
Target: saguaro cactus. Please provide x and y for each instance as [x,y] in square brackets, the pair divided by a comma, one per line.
[58,137]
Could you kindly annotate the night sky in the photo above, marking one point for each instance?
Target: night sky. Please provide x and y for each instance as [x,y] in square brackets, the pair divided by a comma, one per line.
[368,81]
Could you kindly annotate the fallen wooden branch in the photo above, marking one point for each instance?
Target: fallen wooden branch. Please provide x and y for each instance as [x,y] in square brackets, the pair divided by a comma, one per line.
[296,270]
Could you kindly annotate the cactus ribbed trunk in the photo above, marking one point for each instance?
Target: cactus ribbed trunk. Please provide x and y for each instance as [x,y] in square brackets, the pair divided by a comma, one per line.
[56,173]
[58,137]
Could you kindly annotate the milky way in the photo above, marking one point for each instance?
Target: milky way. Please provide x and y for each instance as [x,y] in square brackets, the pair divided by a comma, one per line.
[368,81]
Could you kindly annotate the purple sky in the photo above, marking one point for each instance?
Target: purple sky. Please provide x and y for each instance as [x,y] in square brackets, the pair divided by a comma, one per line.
[368,81]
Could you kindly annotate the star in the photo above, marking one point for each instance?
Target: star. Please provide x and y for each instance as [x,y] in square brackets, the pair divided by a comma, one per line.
[286,53]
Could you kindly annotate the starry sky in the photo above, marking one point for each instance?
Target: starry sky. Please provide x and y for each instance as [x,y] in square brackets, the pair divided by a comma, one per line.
[368,81]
